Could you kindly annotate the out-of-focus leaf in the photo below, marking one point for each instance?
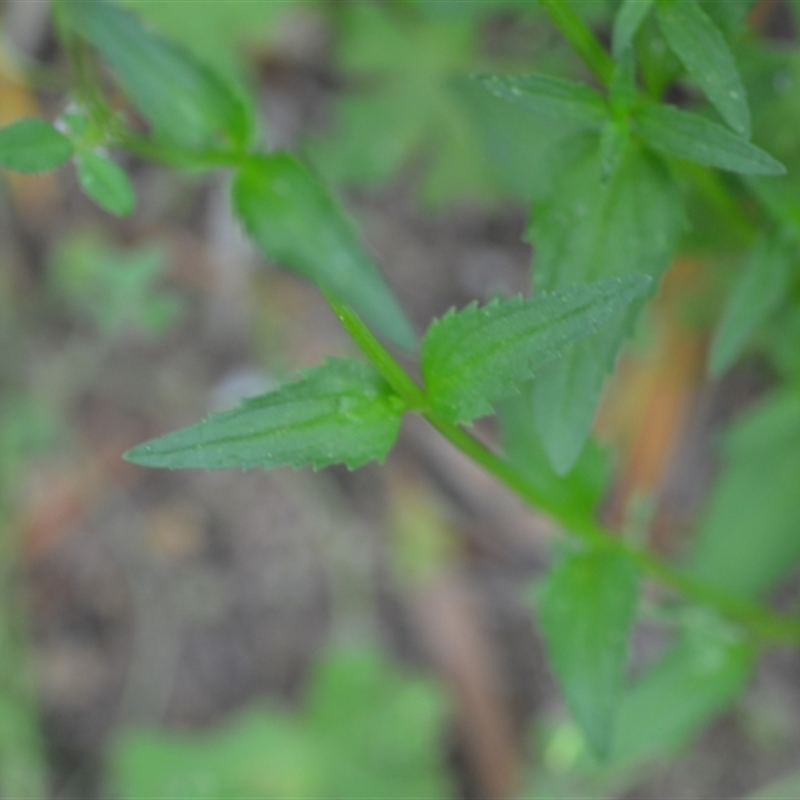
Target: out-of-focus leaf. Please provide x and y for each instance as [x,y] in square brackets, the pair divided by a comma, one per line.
[784,789]
[581,490]
[219,33]
[33,145]
[627,22]
[475,357]
[296,223]
[614,142]
[729,16]
[586,610]
[106,183]
[339,413]
[623,89]
[778,340]
[183,100]
[359,705]
[699,677]
[21,741]
[555,99]
[747,540]
[403,107]
[259,754]
[114,290]
[435,9]
[525,158]
[760,287]
[687,135]
[590,229]
[697,41]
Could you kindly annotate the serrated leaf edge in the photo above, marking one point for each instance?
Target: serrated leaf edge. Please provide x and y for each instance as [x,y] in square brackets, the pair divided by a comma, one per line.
[248,402]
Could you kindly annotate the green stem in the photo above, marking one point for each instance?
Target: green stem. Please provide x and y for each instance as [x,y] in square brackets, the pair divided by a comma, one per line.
[115,131]
[581,38]
[178,156]
[758,619]
[380,357]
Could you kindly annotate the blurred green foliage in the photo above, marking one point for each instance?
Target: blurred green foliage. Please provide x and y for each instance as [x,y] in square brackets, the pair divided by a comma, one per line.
[366,730]
[680,140]
[114,290]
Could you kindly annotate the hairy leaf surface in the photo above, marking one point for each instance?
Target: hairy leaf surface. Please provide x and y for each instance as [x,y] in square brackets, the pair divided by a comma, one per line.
[106,183]
[590,229]
[557,99]
[296,222]
[33,145]
[339,413]
[687,135]
[758,290]
[702,48]
[183,100]
[586,610]
[475,357]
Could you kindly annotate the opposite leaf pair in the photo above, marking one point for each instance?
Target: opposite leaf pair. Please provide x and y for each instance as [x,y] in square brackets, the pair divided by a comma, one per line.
[347,412]
[34,145]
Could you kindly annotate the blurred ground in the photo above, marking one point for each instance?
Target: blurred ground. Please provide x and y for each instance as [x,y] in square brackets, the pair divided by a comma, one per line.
[178,598]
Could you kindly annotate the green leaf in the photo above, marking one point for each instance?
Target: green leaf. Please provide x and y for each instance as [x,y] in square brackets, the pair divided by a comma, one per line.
[183,100]
[587,606]
[747,539]
[259,753]
[623,89]
[786,788]
[698,678]
[614,142]
[759,289]
[687,135]
[296,222]
[405,107]
[339,413]
[524,158]
[33,145]
[555,99]
[698,43]
[106,183]
[114,290]
[219,33]
[629,18]
[358,703]
[578,493]
[475,357]
[729,16]
[590,229]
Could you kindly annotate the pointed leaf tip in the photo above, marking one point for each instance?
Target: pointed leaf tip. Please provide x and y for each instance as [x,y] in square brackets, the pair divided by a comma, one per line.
[586,610]
[338,413]
[473,358]
[700,45]
[557,99]
[297,223]
[690,136]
